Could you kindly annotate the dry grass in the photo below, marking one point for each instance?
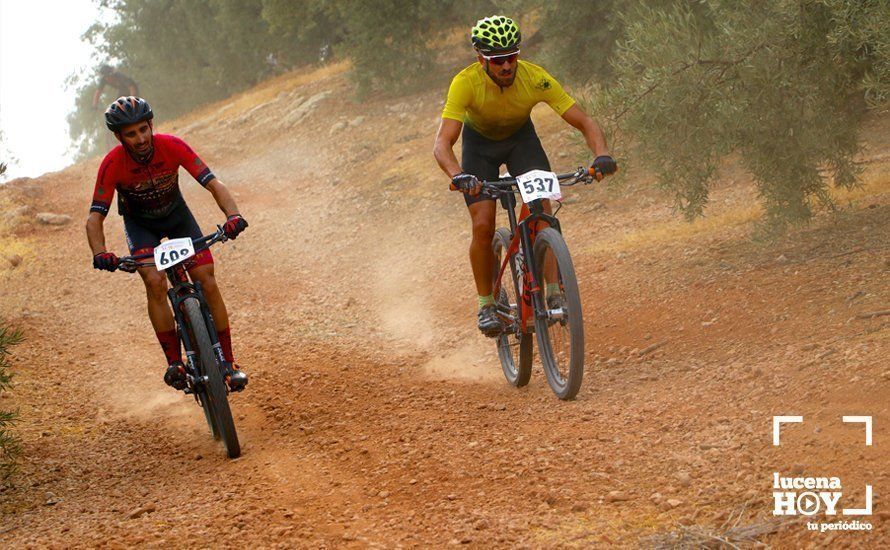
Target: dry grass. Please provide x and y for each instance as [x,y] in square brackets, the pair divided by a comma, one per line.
[731,534]
[10,246]
[675,230]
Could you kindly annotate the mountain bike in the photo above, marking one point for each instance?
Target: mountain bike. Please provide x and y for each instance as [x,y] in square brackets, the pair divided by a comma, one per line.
[542,296]
[205,372]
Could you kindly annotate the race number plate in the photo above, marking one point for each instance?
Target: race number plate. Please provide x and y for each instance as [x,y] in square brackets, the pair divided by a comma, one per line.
[172,252]
[538,184]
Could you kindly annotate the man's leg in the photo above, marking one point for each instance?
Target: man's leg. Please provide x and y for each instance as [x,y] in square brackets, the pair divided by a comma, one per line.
[484,263]
[141,239]
[482,258]
[159,313]
[204,275]
[200,269]
[483,157]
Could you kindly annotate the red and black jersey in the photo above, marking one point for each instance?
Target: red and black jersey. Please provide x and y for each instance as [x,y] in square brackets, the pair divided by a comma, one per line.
[151,189]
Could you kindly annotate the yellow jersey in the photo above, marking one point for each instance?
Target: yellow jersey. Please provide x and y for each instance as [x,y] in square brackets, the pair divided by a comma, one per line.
[495,112]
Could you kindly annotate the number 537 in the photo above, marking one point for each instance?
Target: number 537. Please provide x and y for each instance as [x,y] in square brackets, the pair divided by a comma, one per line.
[539,184]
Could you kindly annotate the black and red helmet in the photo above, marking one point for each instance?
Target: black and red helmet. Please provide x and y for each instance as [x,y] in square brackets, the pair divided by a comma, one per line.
[127,110]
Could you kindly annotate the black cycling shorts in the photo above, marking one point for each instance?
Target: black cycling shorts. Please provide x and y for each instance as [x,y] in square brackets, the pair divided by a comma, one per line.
[145,233]
[483,157]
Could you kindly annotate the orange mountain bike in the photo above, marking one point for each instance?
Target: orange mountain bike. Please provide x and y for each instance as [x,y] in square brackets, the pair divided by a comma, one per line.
[542,295]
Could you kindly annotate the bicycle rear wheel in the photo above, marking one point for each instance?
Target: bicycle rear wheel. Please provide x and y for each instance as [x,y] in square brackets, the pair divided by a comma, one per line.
[561,332]
[514,346]
[214,390]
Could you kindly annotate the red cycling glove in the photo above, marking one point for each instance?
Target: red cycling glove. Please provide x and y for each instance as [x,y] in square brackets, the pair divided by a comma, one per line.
[234,225]
[106,260]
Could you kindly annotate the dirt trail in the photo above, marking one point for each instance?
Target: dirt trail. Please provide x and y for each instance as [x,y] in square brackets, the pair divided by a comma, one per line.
[376,416]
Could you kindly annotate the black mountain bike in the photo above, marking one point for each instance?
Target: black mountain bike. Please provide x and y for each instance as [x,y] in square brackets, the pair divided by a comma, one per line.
[543,295]
[194,324]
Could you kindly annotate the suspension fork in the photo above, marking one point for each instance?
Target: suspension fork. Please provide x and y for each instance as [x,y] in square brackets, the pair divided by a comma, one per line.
[531,217]
[211,326]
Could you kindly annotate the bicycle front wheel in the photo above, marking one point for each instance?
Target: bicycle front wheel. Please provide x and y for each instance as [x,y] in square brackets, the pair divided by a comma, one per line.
[514,346]
[560,332]
[208,415]
[214,388]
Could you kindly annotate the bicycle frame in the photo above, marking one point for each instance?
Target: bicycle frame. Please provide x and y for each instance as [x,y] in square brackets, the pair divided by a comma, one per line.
[523,233]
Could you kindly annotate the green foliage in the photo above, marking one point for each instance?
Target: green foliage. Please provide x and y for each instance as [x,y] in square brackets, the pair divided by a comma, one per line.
[580,46]
[182,53]
[388,41]
[9,448]
[781,84]
[86,126]
[301,29]
[860,36]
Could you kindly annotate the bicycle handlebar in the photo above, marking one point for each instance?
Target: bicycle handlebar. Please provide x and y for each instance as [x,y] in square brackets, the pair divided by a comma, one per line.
[130,264]
[582,174]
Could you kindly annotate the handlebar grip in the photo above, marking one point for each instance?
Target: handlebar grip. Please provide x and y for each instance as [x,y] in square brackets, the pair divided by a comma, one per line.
[597,174]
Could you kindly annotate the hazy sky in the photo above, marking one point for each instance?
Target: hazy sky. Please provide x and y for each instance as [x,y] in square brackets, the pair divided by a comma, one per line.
[40,46]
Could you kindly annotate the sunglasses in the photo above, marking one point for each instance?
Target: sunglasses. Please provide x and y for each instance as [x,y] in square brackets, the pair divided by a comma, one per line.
[501,59]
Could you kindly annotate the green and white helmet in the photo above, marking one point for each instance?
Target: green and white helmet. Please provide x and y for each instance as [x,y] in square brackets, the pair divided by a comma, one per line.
[495,34]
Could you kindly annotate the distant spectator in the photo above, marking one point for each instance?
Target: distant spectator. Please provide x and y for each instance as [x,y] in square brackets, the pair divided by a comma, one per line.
[108,76]
[325,54]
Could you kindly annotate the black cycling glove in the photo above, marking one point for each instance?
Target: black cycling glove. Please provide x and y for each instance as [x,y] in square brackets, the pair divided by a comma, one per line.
[605,165]
[464,181]
[106,260]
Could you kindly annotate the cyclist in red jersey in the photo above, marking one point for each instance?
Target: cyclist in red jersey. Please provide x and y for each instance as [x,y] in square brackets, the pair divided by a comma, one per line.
[124,85]
[144,170]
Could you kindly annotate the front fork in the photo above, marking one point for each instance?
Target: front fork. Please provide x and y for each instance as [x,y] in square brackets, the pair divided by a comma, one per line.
[533,305]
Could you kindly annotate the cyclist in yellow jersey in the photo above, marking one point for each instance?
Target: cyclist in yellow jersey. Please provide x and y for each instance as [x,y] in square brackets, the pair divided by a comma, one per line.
[490,103]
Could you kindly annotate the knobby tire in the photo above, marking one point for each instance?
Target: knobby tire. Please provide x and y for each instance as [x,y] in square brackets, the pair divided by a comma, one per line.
[215,388]
[565,387]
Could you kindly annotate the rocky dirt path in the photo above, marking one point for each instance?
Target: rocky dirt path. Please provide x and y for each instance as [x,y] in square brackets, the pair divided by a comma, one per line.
[376,416]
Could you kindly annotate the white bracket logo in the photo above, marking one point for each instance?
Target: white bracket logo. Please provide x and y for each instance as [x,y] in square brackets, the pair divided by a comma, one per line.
[861,420]
[777,423]
[788,503]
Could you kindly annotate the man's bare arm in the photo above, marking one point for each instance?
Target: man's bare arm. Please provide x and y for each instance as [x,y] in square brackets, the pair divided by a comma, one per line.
[593,134]
[449,131]
[223,197]
[96,232]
